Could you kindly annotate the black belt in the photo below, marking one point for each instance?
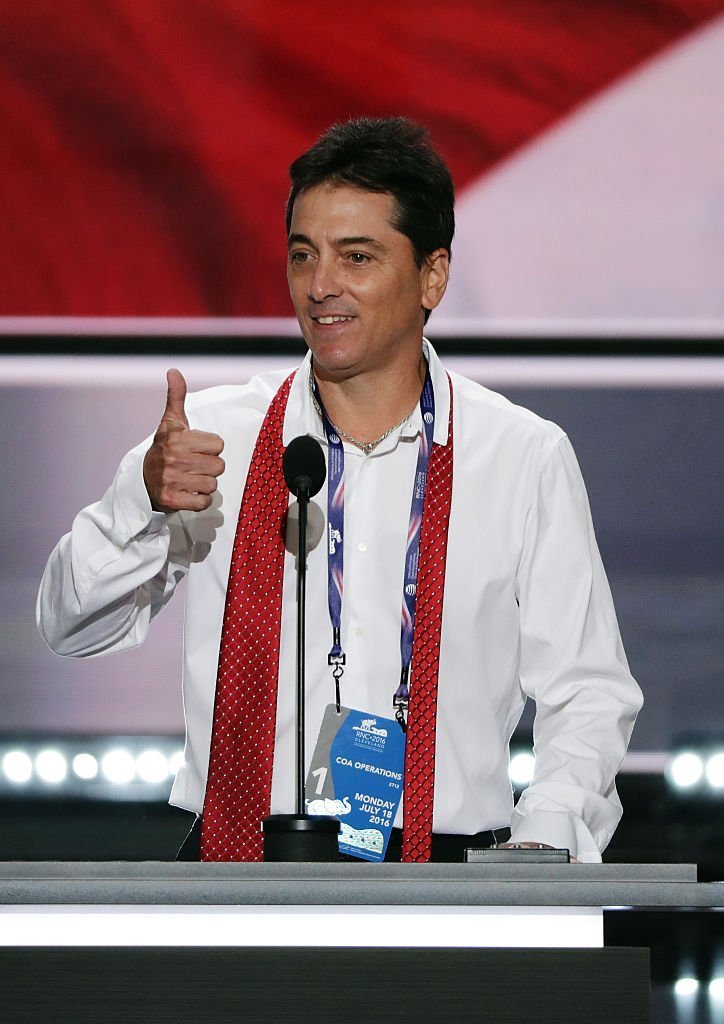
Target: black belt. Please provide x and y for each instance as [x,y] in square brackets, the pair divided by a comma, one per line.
[446,849]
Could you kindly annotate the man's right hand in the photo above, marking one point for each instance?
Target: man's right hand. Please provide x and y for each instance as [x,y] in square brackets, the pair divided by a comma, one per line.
[181,466]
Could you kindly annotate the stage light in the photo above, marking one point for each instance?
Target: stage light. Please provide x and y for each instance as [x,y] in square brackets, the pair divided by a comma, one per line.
[85,767]
[686,987]
[118,766]
[17,766]
[715,771]
[686,770]
[91,767]
[152,766]
[51,766]
[716,989]
[521,769]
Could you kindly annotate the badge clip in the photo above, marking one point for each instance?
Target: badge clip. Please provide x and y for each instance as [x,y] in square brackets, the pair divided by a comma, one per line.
[401,699]
[337,661]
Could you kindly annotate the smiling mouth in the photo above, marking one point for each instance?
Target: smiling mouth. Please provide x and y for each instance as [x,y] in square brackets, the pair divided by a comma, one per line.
[326,320]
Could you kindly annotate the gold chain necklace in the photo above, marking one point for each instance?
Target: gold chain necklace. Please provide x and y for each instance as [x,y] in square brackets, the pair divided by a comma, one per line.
[366,446]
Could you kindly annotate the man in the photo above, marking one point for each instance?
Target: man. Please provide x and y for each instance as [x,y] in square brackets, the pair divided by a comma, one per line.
[470,575]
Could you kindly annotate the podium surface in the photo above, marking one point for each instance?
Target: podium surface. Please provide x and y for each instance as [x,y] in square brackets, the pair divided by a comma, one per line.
[373,942]
[465,905]
[154,882]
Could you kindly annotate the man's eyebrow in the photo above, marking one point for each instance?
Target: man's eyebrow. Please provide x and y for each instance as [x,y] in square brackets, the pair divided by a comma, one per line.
[372,243]
[340,243]
[298,239]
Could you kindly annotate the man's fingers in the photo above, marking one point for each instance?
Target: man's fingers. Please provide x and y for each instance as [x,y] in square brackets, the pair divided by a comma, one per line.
[203,484]
[175,399]
[205,444]
[185,481]
[193,451]
[171,500]
[205,465]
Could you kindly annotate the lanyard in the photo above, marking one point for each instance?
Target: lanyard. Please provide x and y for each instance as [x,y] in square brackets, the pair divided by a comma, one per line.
[335,547]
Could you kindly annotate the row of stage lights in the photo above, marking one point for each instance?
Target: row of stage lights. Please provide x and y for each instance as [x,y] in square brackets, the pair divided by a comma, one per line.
[93,767]
[139,768]
[687,987]
[687,771]
[692,771]
[143,767]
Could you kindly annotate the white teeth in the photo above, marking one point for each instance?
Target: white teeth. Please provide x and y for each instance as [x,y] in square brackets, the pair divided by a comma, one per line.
[332,319]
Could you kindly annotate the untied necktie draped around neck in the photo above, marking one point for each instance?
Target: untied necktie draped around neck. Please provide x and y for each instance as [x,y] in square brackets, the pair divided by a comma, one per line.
[238,788]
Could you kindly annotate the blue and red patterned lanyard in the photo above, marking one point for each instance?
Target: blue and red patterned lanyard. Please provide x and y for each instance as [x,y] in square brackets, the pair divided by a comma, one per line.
[335,546]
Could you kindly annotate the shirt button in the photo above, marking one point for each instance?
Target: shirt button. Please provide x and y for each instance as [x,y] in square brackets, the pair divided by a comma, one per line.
[358,631]
[361,546]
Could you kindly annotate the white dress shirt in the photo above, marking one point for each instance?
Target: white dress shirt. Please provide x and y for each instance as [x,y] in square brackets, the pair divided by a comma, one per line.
[527,607]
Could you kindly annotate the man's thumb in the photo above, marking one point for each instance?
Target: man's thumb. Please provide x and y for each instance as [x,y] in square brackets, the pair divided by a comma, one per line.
[175,398]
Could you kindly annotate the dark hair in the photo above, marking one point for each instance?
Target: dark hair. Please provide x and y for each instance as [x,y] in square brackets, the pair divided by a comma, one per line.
[391,155]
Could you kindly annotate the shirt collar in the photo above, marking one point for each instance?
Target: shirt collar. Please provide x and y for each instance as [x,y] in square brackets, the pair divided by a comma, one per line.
[441,390]
[302,418]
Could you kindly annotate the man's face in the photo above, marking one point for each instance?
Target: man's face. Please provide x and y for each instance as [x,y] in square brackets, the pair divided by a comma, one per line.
[357,291]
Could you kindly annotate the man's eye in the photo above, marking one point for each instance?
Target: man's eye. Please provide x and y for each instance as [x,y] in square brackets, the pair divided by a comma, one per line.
[298,257]
[358,258]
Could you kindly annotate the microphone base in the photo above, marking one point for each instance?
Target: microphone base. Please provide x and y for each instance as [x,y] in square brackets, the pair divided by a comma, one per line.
[300,838]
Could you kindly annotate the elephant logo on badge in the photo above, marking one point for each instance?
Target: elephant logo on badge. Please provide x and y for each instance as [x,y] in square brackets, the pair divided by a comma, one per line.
[328,807]
[369,725]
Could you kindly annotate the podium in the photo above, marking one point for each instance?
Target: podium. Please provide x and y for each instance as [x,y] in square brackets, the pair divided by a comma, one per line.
[337,943]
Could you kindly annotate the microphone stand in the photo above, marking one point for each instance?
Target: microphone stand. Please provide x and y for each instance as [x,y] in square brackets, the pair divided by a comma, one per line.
[303,502]
[301,836]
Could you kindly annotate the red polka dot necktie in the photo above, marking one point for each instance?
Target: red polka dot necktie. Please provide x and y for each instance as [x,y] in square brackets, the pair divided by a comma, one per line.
[422,715]
[238,788]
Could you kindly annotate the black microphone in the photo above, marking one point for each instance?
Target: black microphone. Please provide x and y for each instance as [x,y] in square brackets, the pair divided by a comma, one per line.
[304,466]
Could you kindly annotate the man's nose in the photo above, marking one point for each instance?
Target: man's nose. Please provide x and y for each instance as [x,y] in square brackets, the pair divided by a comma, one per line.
[324,282]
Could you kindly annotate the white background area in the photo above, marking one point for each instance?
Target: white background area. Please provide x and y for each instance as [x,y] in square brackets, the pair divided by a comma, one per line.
[479,927]
[617,212]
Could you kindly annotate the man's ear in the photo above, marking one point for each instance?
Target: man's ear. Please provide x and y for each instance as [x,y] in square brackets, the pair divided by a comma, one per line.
[435,272]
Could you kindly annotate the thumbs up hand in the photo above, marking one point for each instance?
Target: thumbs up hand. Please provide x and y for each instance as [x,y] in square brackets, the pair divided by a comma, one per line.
[181,466]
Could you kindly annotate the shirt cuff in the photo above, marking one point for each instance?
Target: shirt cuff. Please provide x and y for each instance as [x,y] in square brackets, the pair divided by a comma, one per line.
[133,515]
[558,830]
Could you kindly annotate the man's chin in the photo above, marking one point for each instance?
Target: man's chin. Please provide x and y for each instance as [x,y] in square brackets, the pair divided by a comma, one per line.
[333,370]
[332,361]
